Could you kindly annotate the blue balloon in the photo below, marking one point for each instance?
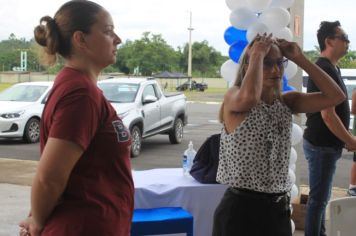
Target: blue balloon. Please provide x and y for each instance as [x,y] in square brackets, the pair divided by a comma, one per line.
[233,35]
[286,87]
[236,50]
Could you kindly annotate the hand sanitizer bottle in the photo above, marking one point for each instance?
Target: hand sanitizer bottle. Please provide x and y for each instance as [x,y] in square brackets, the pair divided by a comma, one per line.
[188,158]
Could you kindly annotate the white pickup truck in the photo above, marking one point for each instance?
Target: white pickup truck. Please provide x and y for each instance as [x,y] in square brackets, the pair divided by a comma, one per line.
[145,110]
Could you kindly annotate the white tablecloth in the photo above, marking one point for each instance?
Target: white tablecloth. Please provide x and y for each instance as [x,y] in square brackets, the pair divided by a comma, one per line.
[170,188]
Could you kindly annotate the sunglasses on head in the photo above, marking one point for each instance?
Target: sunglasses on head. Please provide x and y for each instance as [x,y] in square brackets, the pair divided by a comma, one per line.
[342,37]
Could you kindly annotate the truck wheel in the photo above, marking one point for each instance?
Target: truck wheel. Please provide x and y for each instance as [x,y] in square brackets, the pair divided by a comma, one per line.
[176,134]
[136,141]
[31,133]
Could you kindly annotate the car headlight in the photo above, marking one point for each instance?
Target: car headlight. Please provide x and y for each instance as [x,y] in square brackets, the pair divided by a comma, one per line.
[124,114]
[12,115]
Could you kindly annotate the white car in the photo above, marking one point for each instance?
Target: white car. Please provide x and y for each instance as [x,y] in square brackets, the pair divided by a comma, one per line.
[349,77]
[21,107]
[350,86]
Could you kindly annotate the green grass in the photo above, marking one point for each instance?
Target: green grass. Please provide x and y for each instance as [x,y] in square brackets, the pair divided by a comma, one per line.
[209,95]
[4,86]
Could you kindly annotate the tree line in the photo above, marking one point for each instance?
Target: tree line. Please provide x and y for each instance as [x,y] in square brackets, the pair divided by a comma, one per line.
[347,62]
[145,56]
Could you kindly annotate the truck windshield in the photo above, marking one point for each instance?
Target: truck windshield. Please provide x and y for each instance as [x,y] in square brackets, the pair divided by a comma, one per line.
[119,92]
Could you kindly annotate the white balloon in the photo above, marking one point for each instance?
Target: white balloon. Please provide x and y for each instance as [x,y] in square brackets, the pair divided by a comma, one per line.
[294,192]
[233,4]
[229,70]
[297,134]
[282,3]
[254,29]
[292,225]
[275,18]
[292,176]
[291,70]
[241,18]
[258,6]
[293,156]
[292,167]
[231,83]
[284,33]
[291,208]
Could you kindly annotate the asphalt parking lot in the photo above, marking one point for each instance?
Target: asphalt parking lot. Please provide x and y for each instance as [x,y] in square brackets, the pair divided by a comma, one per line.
[16,176]
[158,152]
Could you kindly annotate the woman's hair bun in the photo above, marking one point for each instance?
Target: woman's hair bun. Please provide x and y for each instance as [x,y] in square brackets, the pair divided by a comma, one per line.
[42,31]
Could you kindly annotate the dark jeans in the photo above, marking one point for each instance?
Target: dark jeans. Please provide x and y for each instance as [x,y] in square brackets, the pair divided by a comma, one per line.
[322,164]
[239,215]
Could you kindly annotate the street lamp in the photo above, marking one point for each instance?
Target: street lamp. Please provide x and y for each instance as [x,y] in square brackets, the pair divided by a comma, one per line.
[190,50]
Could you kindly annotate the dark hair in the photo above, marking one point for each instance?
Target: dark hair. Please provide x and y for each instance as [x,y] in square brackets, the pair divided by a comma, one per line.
[326,29]
[56,34]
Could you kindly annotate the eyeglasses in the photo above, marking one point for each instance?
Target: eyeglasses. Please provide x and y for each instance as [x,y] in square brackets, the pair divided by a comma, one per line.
[342,37]
[269,64]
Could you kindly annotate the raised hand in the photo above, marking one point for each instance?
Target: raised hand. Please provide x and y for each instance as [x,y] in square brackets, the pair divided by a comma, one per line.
[262,44]
[290,50]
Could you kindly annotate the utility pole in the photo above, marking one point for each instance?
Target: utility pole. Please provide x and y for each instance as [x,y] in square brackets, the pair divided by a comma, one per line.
[190,50]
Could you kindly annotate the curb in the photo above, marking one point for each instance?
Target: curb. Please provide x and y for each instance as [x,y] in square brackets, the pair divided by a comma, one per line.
[18,172]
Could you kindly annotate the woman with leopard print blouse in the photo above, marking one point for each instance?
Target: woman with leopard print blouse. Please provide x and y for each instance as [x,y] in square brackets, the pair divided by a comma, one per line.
[255,141]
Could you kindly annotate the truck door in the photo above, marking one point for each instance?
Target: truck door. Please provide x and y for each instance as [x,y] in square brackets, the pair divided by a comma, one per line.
[151,111]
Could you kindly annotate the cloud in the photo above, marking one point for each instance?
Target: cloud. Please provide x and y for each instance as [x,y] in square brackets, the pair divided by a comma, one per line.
[132,18]
[316,11]
[171,18]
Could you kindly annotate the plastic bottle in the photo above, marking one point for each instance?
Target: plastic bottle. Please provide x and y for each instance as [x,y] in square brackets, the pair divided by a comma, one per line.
[188,158]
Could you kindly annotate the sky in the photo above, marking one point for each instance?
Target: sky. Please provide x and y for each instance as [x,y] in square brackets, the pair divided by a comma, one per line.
[210,19]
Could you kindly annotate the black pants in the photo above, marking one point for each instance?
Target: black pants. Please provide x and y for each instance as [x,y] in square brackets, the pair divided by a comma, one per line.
[243,215]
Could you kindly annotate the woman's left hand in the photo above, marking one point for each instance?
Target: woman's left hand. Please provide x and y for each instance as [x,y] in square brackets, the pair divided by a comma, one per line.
[290,50]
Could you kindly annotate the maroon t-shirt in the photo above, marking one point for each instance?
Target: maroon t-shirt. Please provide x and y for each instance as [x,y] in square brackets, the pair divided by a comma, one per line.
[98,199]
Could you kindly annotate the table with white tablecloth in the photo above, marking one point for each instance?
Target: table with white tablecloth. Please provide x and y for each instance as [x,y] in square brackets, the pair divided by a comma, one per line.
[170,188]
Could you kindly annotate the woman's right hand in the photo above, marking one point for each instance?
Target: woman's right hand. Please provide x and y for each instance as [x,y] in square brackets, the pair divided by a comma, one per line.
[29,228]
[262,45]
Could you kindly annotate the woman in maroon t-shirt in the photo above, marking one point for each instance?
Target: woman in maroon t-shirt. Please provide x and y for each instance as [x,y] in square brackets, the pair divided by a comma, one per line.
[83,184]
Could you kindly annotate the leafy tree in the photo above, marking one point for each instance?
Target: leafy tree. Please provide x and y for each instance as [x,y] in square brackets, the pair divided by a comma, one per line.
[123,54]
[313,55]
[348,61]
[206,61]
[10,54]
[150,54]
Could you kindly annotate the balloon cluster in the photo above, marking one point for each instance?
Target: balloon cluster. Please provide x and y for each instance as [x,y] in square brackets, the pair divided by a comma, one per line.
[297,135]
[249,18]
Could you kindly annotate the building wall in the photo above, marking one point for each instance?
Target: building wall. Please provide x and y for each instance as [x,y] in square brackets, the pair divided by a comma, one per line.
[297,28]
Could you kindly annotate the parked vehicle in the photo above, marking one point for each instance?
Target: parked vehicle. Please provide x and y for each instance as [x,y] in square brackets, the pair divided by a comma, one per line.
[145,110]
[21,108]
[349,77]
[350,86]
[192,86]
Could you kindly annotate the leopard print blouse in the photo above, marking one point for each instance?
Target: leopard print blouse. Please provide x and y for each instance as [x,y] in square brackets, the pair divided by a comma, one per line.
[256,155]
